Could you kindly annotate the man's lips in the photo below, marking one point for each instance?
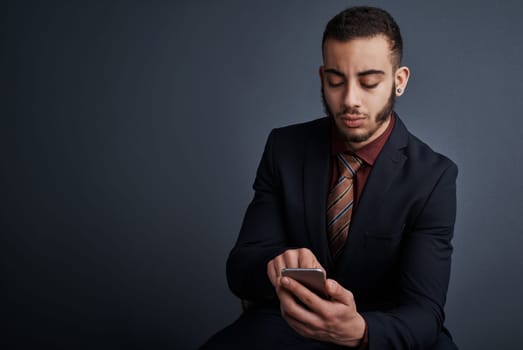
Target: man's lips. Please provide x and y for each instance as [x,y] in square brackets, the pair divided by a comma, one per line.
[352,120]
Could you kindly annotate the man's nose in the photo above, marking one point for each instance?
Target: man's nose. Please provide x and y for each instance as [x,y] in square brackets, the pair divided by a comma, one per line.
[352,96]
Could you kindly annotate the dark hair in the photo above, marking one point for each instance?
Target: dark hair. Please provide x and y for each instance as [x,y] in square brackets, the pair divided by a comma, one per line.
[365,22]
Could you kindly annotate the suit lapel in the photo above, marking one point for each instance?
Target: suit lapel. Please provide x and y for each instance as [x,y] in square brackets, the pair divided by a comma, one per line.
[387,167]
[315,182]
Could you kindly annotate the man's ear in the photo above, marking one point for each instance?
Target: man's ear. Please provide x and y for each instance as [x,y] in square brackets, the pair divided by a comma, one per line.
[321,71]
[401,78]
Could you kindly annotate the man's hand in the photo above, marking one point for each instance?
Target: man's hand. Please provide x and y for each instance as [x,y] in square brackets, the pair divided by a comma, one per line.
[301,257]
[335,321]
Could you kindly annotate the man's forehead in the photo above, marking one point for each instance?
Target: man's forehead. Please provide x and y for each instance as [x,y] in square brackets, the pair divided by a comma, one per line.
[358,55]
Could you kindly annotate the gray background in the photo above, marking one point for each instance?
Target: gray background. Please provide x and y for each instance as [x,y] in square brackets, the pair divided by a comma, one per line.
[131,131]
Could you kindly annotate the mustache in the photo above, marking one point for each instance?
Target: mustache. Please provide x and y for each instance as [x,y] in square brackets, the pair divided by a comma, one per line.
[346,109]
[349,110]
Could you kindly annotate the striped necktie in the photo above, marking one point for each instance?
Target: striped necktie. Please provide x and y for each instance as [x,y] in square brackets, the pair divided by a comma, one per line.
[340,203]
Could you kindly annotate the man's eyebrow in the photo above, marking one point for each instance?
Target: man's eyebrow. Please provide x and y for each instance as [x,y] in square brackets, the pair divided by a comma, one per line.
[334,71]
[370,71]
[360,74]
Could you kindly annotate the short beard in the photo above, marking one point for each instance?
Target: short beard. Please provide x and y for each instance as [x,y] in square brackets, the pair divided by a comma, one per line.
[381,117]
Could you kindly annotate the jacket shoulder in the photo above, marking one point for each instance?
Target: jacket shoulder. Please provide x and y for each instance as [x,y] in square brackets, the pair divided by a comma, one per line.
[425,156]
[295,135]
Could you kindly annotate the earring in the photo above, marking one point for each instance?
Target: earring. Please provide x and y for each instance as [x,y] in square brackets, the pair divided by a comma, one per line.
[398,90]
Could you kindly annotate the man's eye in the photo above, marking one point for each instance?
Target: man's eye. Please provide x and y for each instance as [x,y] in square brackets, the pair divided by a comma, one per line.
[369,86]
[335,84]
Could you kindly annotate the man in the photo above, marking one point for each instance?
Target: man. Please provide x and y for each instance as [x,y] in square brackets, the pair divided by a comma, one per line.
[356,195]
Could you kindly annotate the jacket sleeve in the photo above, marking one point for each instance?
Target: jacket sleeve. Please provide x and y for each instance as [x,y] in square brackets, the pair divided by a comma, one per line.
[261,236]
[417,319]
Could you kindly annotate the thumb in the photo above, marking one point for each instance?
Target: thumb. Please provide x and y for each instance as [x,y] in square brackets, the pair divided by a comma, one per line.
[338,293]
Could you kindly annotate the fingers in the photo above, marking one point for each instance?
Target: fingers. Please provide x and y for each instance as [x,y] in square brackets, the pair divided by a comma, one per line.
[273,271]
[291,258]
[335,320]
[306,260]
[338,293]
[314,302]
[301,257]
[280,262]
[302,328]
[307,297]
[291,309]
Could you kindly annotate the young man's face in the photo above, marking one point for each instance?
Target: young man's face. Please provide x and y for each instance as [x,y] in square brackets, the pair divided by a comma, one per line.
[359,87]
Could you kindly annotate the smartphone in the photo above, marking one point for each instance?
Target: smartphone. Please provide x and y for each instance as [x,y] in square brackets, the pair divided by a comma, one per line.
[314,279]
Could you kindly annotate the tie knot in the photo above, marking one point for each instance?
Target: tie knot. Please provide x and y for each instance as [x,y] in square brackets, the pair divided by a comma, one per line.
[348,165]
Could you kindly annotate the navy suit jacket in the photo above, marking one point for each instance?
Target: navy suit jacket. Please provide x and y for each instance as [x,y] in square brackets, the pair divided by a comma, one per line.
[397,257]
